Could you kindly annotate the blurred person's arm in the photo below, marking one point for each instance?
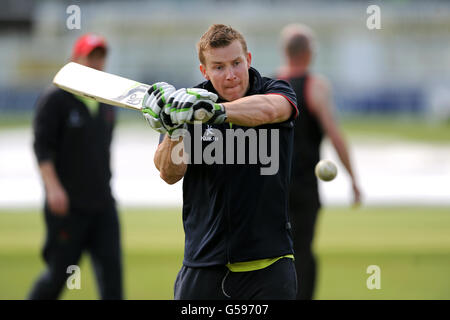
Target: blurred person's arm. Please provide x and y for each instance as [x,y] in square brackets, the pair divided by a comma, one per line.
[320,100]
[46,132]
[56,195]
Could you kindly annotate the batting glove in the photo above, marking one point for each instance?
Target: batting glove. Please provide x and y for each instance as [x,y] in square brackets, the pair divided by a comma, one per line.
[153,103]
[166,120]
[193,104]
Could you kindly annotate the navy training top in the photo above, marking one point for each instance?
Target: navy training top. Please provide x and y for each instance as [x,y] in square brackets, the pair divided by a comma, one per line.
[236,186]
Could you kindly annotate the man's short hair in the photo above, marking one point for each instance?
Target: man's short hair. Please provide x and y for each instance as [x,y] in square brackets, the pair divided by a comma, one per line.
[297,39]
[218,36]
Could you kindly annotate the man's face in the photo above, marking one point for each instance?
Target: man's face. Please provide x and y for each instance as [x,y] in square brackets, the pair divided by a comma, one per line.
[227,69]
[95,59]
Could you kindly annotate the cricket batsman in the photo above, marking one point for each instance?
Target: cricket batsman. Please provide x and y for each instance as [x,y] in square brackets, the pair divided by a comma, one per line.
[238,241]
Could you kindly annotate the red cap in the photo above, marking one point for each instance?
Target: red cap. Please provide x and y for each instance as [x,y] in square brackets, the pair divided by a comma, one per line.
[86,43]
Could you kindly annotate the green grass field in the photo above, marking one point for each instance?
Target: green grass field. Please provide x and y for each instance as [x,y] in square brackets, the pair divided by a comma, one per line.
[397,128]
[410,245]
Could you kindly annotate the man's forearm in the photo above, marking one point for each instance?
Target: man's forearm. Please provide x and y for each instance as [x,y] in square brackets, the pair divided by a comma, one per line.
[49,176]
[342,151]
[339,144]
[257,110]
[170,160]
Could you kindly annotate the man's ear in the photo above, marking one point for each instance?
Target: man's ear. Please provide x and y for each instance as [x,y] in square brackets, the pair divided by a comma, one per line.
[203,71]
[249,59]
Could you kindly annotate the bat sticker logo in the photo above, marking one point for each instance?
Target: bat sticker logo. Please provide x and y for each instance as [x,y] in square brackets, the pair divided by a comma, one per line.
[134,96]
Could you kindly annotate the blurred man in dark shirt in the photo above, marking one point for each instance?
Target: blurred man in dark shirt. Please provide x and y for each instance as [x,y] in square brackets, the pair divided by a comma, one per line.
[72,139]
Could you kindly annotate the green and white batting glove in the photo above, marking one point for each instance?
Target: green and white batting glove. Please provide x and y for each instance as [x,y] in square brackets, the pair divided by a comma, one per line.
[153,103]
[193,104]
[166,121]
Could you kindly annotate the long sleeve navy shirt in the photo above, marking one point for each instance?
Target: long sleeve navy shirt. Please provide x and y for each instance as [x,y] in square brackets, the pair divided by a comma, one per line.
[78,143]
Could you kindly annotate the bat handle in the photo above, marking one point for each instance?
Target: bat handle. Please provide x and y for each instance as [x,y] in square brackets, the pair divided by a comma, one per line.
[200,115]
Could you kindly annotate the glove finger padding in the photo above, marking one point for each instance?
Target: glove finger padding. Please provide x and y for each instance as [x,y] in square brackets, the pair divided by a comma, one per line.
[154,101]
[202,94]
[156,97]
[183,104]
[175,100]
[184,109]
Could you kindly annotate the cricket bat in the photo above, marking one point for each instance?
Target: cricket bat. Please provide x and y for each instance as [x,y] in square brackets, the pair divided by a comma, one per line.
[105,87]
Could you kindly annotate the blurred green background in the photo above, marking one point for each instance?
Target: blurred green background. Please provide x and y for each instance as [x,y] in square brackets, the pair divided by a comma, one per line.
[410,245]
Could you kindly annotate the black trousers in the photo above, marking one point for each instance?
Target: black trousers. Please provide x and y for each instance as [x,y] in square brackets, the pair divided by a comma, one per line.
[67,238]
[303,218]
[275,282]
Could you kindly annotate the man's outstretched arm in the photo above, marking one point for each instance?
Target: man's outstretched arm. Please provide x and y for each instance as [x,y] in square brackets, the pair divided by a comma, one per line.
[259,109]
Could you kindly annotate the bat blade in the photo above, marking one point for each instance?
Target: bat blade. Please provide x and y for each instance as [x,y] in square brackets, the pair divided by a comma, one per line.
[101,86]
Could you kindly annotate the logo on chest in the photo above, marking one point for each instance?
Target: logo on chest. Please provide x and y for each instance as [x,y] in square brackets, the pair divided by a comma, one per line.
[209,134]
